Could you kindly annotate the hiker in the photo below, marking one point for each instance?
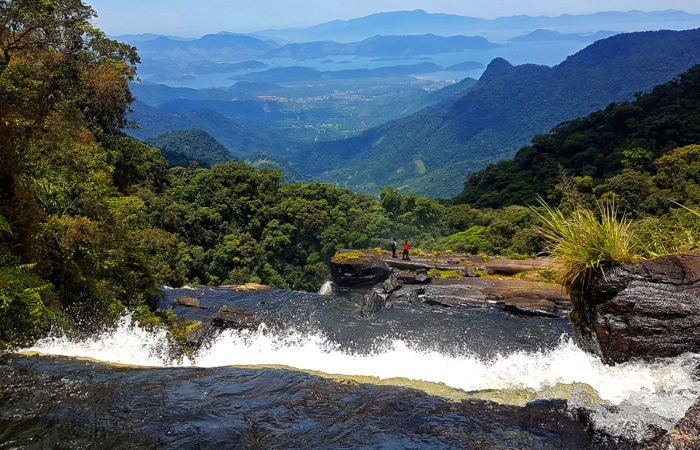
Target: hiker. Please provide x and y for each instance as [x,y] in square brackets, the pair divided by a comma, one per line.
[393,248]
[405,250]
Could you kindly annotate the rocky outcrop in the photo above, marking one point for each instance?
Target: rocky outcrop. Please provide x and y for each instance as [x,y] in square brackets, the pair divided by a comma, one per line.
[644,310]
[186,301]
[233,317]
[202,336]
[509,267]
[420,276]
[685,435]
[228,317]
[375,300]
[357,271]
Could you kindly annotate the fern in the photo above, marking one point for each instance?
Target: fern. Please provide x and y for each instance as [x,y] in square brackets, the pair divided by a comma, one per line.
[5,229]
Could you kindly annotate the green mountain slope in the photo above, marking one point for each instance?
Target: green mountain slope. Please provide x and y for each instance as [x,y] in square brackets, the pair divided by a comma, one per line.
[432,151]
[190,145]
[239,137]
[608,146]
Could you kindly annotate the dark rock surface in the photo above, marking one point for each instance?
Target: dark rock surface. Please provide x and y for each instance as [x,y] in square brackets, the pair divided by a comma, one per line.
[202,336]
[376,299]
[409,265]
[365,270]
[524,296]
[644,310]
[420,276]
[685,435]
[407,294]
[237,318]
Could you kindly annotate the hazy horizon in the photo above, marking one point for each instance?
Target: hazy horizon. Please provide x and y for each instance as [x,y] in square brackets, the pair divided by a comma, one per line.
[178,17]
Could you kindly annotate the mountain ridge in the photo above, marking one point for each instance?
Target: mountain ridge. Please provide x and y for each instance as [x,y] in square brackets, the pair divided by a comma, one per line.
[492,120]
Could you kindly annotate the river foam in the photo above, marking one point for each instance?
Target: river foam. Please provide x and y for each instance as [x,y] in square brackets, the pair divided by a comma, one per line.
[668,387]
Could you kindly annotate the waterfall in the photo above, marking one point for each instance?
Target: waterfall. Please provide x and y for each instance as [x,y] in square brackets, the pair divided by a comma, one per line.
[327,288]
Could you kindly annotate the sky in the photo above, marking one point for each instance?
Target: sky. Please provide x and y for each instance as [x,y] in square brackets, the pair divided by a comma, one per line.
[192,18]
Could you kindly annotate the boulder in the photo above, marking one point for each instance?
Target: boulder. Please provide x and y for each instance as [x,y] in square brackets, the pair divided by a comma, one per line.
[375,300]
[469,271]
[685,435]
[202,336]
[233,317]
[644,310]
[186,301]
[420,276]
[406,294]
[365,269]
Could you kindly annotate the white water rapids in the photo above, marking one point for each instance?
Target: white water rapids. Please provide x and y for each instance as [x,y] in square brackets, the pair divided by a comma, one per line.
[668,388]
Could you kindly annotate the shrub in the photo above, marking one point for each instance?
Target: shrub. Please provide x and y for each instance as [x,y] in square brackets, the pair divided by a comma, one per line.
[586,243]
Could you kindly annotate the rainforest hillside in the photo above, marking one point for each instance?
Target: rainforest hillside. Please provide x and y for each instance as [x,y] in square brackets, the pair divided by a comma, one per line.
[93,223]
[620,151]
[432,151]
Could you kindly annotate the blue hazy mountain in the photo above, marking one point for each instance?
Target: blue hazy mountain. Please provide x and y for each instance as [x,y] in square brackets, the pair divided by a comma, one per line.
[238,46]
[431,152]
[376,46]
[421,22]
[549,35]
[300,73]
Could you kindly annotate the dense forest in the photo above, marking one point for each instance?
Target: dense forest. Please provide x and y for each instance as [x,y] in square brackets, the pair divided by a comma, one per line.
[624,151]
[93,223]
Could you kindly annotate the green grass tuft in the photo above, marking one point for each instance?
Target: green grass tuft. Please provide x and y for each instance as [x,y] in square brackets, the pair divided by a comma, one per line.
[586,243]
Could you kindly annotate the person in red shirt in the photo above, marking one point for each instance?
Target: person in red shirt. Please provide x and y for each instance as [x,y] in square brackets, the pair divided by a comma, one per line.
[405,250]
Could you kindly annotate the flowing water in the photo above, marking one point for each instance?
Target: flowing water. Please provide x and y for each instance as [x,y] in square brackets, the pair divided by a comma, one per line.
[411,376]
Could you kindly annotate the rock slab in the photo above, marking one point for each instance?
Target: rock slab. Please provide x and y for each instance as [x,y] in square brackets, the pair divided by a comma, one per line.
[365,270]
[233,317]
[644,310]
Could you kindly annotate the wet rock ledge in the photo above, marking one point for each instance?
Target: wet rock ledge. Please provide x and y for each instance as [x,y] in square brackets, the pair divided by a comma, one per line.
[448,280]
[645,310]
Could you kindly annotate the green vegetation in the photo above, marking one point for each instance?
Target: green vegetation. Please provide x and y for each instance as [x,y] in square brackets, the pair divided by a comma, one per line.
[444,273]
[182,146]
[351,256]
[586,243]
[643,152]
[502,112]
[92,222]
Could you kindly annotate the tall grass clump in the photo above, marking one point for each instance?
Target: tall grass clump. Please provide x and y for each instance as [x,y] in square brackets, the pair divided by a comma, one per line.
[587,242]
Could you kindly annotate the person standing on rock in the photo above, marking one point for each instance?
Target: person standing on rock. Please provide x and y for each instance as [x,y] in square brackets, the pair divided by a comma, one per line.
[393,248]
[405,250]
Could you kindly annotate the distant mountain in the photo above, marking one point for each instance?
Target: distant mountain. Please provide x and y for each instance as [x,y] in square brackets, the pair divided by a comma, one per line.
[387,23]
[432,151]
[154,94]
[426,44]
[549,35]
[420,22]
[182,146]
[239,137]
[466,65]
[300,73]
[237,46]
[210,46]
